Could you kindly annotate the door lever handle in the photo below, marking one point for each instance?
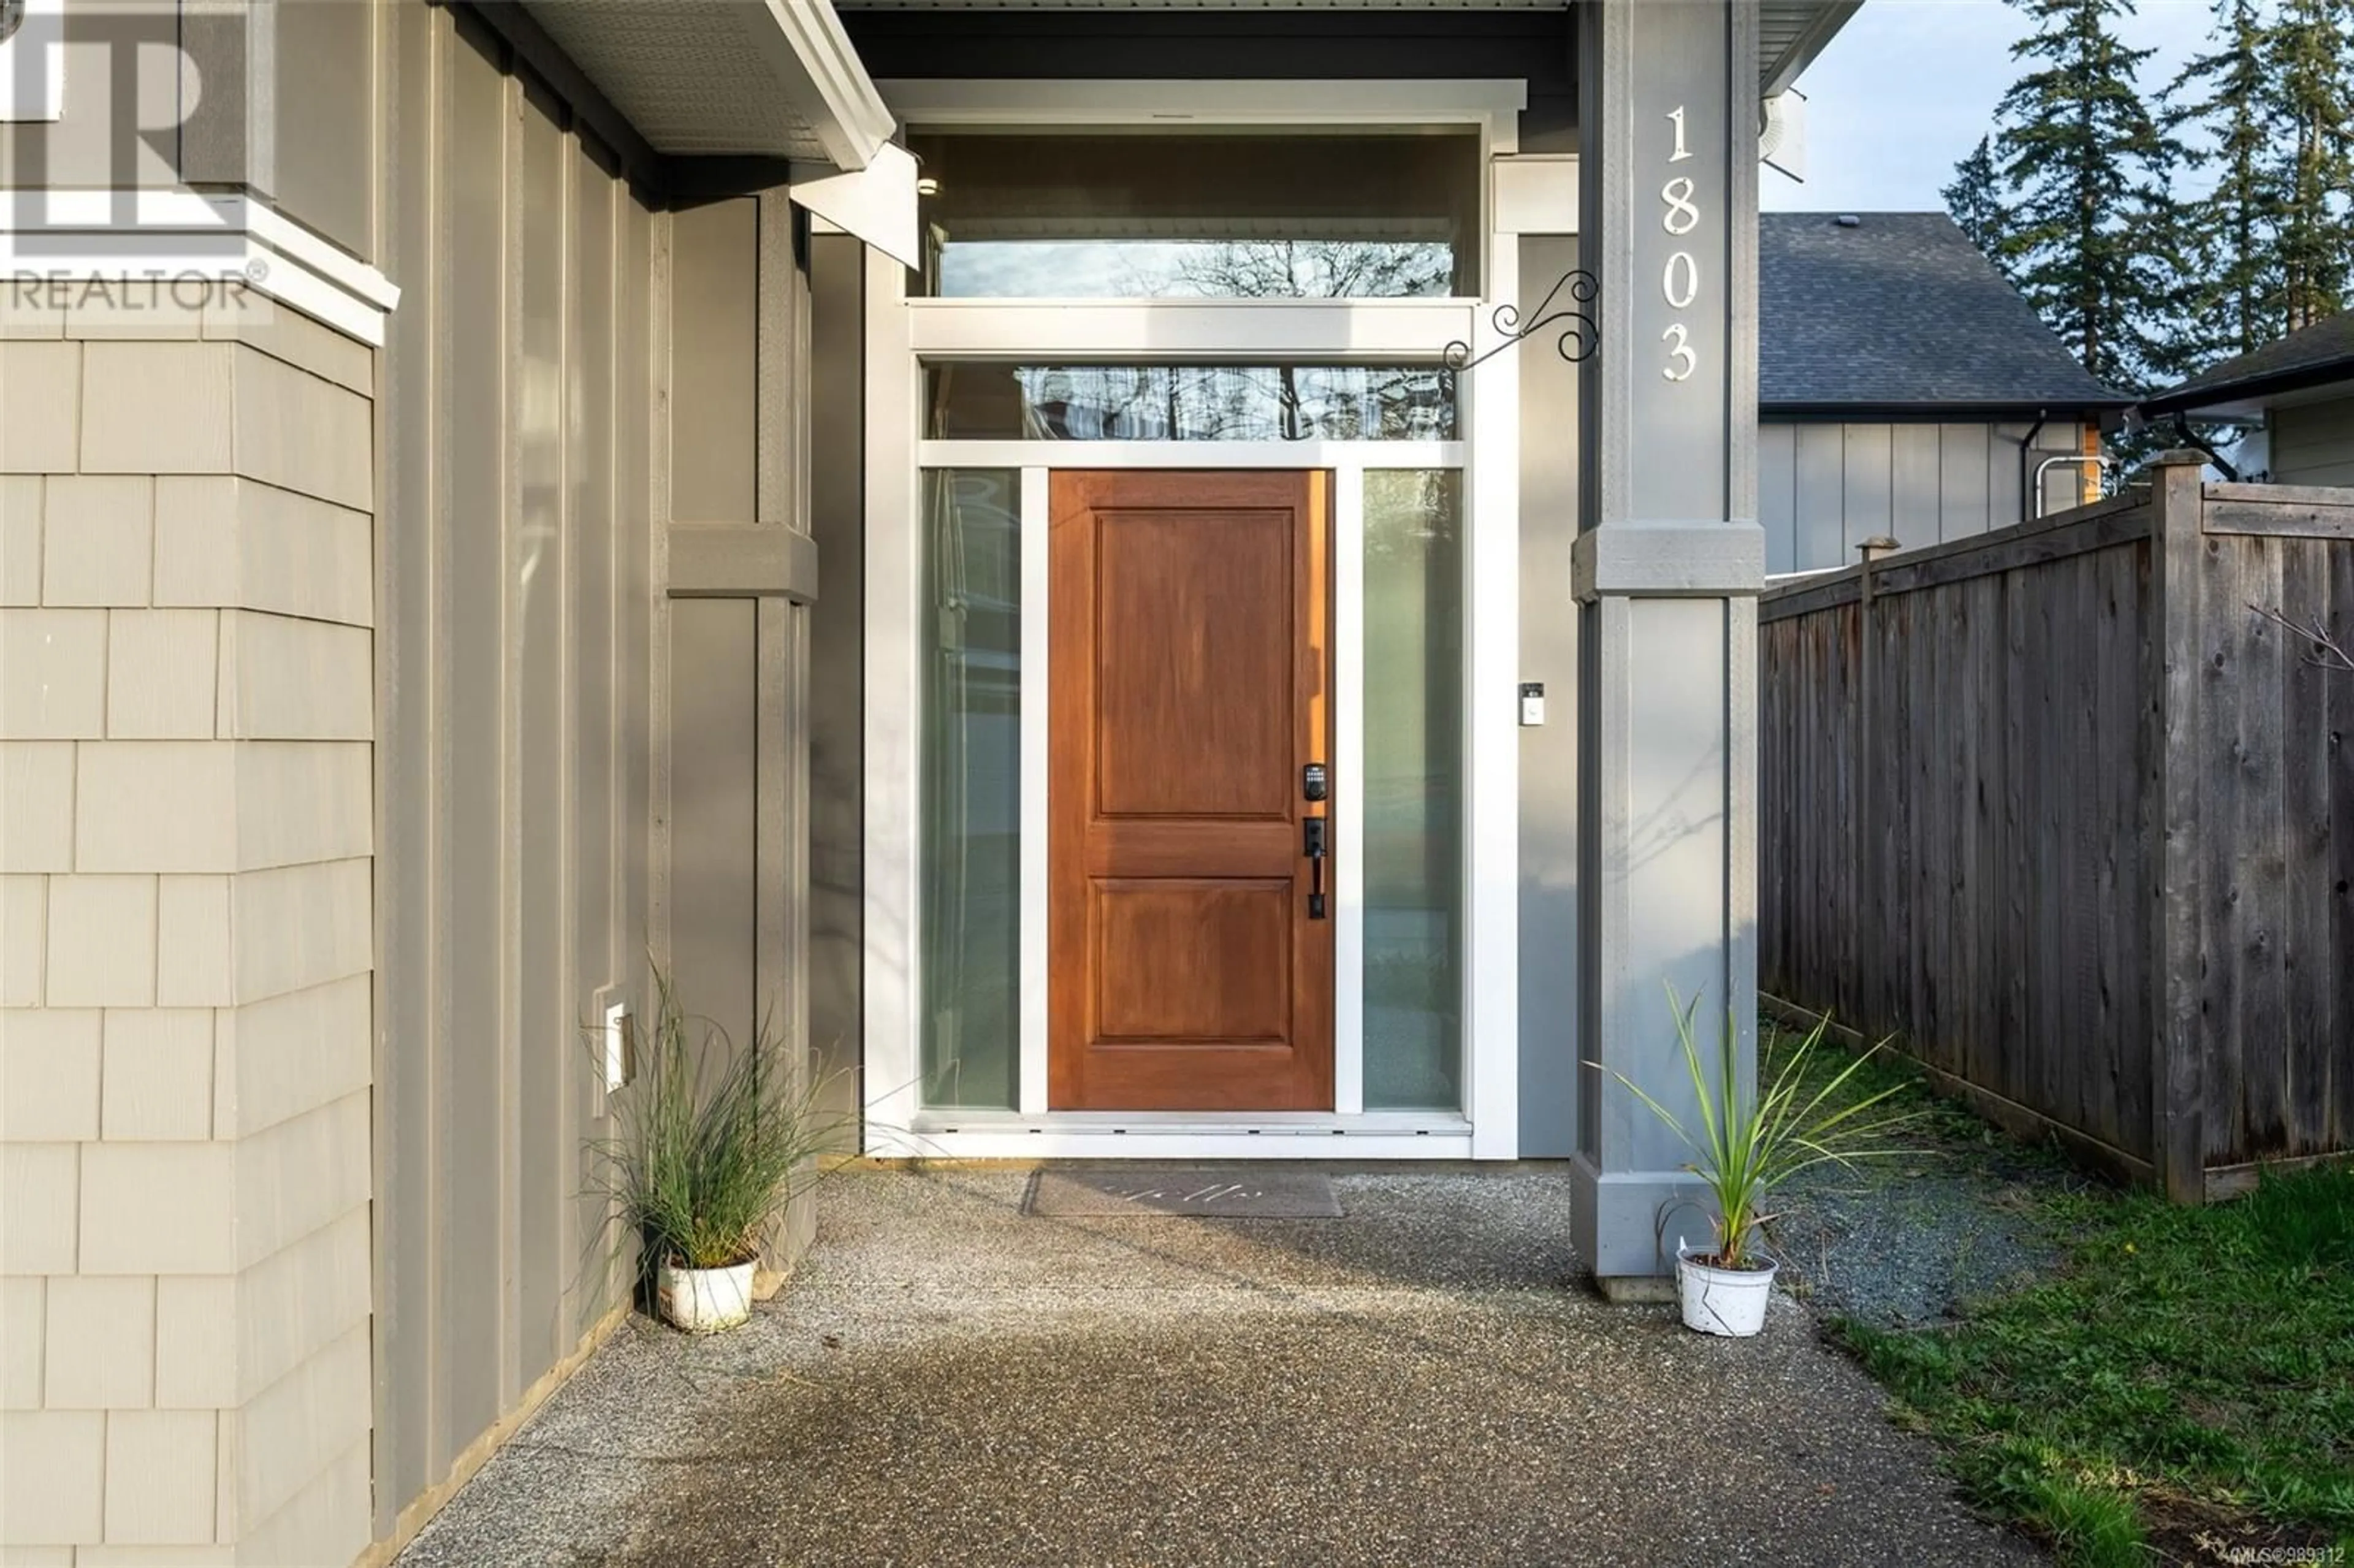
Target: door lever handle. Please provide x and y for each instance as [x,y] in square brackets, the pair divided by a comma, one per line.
[1312,844]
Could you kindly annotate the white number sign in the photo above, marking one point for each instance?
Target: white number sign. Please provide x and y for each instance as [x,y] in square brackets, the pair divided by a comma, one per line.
[1681,359]
[1680,281]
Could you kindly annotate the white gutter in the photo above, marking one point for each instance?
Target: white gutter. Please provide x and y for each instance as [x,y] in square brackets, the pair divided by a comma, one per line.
[811,55]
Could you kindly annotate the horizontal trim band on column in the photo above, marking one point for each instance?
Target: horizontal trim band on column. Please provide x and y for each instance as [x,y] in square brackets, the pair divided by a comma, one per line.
[741,560]
[1676,560]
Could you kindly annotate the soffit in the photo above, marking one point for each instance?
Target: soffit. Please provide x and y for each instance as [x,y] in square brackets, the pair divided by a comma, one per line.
[766,77]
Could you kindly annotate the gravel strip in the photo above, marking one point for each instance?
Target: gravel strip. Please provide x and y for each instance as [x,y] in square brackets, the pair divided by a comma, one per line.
[1907,1241]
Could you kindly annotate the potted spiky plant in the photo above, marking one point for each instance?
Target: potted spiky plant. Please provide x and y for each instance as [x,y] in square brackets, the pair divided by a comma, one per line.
[1747,1144]
[715,1141]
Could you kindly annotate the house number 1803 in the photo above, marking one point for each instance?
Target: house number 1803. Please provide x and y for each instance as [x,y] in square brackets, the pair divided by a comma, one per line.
[1680,281]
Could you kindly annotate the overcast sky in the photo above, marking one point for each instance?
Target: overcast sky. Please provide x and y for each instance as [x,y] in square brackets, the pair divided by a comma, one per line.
[1909,86]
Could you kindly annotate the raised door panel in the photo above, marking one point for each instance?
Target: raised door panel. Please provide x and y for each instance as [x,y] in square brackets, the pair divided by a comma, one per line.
[1190,678]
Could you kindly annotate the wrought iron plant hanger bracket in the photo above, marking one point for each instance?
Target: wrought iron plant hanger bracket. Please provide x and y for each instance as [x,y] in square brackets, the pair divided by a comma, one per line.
[1578,338]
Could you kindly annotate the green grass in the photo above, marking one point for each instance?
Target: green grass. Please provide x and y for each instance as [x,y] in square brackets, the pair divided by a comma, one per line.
[2185,1381]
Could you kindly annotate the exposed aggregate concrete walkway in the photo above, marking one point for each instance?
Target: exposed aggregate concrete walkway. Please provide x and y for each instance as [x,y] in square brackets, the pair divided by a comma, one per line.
[1424,1382]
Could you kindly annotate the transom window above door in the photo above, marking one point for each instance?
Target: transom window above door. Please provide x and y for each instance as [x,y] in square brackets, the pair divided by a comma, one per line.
[991,400]
[1143,212]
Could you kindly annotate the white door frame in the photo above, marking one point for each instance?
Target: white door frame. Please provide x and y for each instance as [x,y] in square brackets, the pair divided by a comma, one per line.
[901,333]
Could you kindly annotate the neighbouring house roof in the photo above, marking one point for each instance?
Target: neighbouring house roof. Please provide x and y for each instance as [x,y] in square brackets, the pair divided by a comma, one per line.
[1897,313]
[2311,356]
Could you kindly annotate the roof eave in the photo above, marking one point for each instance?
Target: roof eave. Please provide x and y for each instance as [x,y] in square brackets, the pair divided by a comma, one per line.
[1777,75]
[1950,410]
[2193,399]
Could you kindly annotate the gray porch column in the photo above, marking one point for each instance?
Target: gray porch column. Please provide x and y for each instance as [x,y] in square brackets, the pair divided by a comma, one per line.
[1666,571]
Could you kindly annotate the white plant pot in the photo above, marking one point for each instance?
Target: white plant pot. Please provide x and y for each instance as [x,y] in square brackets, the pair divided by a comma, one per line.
[704,1300]
[1730,1301]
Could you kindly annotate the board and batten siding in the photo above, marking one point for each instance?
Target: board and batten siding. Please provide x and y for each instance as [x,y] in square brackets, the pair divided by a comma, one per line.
[519,482]
[2313,443]
[594,576]
[1824,487]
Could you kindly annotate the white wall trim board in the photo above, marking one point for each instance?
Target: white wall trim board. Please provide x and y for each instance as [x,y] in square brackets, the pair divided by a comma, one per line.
[976,1139]
[1048,455]
[892,883]
[922,103]
[1534,193]
[1037,753]
[1391,331]
[1491,966]
[1348,809]
[183,245]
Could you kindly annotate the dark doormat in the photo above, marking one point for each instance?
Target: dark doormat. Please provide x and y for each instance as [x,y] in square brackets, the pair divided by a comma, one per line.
[1146,1192]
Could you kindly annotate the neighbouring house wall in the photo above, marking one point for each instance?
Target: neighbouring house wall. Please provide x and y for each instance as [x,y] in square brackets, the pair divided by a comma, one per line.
[518,430]
[2313,443]
[1824,487]
[186,720]
[1549,518]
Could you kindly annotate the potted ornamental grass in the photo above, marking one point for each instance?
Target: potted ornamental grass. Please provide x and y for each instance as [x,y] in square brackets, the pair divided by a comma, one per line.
[716,1139]
[1745,1145]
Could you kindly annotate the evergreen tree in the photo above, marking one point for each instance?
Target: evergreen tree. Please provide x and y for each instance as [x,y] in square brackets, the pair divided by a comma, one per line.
[1975,200]
[2232,297]
[2310,62]
[2086,236]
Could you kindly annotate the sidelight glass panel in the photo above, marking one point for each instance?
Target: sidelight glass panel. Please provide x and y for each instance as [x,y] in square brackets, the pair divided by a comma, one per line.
[1413,707]
[971,741]
[1154,212]
[981,400]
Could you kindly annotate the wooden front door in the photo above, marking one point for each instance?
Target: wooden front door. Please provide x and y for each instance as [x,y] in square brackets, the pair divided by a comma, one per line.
[1191,673]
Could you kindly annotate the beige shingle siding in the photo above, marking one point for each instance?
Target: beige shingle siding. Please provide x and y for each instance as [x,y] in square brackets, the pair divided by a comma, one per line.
[187,701]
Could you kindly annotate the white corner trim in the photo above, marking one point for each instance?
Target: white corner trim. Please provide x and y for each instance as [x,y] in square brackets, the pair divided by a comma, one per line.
[38,94]
[1347,554]
[184,243]
[1035,780]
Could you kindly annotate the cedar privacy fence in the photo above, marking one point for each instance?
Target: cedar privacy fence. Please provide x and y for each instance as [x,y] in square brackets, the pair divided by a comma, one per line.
[2058,808]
